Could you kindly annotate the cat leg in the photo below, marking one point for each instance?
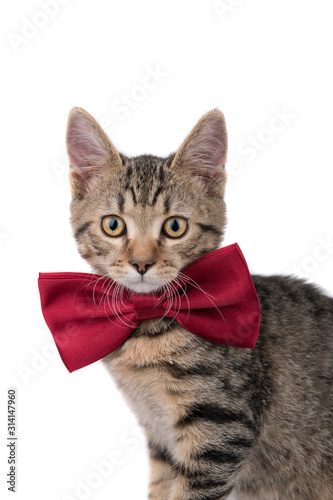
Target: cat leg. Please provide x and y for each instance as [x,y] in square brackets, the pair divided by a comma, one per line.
[206,473]
[162,475]
[184,488]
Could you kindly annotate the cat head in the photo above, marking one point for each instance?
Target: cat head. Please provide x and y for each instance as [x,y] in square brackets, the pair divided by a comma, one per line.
[141,220]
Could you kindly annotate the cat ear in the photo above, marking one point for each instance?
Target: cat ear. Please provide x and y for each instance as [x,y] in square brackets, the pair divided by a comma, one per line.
[89,150]
[203,154]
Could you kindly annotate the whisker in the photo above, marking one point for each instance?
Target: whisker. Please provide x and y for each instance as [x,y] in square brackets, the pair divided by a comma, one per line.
[107,291]
[186,297]
[92,279]
[115,306]
[192,282]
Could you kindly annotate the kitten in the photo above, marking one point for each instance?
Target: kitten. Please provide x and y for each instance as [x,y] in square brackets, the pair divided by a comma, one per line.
[218,419]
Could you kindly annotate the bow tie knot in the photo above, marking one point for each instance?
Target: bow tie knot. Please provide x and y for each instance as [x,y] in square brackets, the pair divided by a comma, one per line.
[147,307]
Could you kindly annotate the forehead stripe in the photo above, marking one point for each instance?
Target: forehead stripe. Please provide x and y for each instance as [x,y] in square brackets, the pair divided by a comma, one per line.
[158,191]
[121,202]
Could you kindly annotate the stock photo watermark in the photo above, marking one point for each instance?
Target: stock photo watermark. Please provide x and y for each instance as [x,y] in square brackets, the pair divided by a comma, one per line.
[322,252]
[38,363]
[11,439]
[31,26]
[61,170]
[131,441]
[3,237]
[121,107]
[255,144]
[248,149]
[225,7]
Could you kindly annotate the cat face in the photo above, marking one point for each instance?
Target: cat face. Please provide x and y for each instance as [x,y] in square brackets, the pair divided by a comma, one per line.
[141,220]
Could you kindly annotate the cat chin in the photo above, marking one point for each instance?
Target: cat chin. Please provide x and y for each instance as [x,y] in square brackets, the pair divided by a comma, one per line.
[142,286]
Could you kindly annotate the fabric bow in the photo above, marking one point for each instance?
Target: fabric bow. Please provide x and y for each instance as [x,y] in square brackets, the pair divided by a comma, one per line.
[214,299]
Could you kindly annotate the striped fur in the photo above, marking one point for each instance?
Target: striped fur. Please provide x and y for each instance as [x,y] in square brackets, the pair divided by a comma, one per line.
[218,419]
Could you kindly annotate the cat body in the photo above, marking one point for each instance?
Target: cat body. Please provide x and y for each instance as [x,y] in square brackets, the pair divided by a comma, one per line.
[217,416]
[218,419]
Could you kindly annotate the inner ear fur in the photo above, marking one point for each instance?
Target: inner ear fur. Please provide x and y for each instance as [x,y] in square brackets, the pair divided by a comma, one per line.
[89,150]
[203,153]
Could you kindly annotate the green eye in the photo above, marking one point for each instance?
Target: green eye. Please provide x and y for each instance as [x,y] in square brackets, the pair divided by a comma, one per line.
[174,227]
[113,225]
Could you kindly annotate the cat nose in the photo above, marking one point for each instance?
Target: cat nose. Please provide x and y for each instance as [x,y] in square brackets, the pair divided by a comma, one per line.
[142,266]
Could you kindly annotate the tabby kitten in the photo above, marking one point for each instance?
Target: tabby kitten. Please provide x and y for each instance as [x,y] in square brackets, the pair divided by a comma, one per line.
[218,419]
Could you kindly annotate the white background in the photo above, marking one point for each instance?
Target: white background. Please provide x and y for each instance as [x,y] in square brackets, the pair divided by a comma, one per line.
[251,59]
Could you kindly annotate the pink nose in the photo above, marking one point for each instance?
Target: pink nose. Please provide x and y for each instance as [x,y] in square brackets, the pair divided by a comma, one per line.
[142,266]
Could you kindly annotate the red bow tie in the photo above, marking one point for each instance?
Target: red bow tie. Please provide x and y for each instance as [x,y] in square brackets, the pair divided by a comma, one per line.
[215,298]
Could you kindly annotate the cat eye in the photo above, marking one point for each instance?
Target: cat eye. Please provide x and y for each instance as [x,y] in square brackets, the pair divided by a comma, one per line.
[113,225]
[174,227]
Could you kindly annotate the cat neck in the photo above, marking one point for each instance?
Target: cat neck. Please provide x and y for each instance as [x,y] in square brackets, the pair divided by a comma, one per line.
[154,327]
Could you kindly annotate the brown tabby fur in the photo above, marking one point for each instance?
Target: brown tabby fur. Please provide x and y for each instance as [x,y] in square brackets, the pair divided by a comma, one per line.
[218,419]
